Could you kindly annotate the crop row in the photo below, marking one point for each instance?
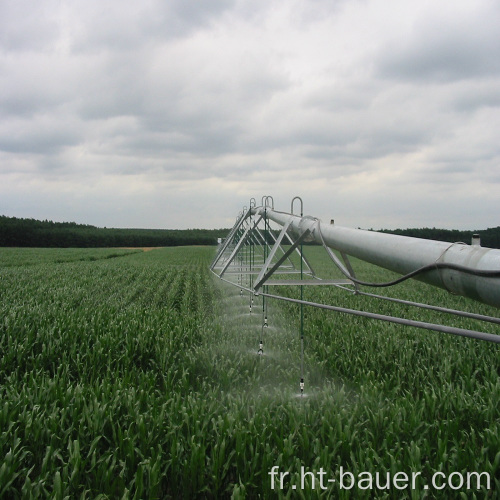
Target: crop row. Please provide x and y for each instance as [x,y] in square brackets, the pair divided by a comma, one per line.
[137,377]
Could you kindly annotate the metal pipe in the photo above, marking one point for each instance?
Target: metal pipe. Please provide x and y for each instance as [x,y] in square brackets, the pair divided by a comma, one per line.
[403,254]
[489,337]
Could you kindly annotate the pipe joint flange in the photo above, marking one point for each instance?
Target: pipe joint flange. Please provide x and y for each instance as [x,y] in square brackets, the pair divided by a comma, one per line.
[308,223]
[446,276]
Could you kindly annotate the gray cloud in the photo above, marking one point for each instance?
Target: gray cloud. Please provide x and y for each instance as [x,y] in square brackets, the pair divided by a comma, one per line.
[190,108]
[26,25]
[111,26]
[453,45]
[43,134]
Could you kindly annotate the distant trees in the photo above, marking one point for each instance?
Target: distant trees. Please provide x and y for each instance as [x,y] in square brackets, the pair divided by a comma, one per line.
[34,233]
[489,237]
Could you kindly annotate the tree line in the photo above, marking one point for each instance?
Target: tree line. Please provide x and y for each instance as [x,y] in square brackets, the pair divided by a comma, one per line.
[490,237]
[35,233]
[17,232]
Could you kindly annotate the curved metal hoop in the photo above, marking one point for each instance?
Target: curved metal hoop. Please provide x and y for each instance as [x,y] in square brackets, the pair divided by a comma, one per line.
[265,201]
[301,205]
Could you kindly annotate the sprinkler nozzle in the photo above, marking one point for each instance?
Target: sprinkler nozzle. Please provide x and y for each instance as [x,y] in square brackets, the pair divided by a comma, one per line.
[301,386]
[261,348]
[265,322]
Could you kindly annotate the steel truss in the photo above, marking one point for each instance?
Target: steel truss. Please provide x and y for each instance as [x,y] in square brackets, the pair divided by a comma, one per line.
[256,256]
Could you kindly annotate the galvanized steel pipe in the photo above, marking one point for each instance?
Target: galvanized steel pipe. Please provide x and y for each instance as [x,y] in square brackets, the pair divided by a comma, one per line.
[403,254]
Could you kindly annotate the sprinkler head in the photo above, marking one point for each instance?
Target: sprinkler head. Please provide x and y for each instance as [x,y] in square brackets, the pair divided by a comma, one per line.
[301,386]
[261,348]
[265,322]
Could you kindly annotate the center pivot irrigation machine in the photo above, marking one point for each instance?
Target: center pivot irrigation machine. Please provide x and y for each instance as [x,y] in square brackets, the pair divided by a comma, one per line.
[264,250]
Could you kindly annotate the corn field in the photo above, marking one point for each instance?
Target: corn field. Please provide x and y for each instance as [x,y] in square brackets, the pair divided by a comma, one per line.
[130,374]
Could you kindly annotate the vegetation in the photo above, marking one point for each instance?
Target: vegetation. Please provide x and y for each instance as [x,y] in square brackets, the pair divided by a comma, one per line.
[132,374]
[16,232]
[489,237]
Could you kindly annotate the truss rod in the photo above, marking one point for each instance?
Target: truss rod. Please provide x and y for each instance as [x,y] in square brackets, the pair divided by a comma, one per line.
[230,236]
[238,246]
[455,312]
[271,255]
[489,337]
[261,280]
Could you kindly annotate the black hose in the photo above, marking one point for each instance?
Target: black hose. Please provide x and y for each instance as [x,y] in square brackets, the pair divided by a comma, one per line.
[423,269]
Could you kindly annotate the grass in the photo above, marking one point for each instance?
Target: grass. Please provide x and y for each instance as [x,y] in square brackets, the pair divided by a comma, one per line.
[137,377]
[12,256]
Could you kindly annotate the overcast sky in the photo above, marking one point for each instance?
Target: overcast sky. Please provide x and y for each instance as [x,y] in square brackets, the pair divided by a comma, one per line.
[174,113]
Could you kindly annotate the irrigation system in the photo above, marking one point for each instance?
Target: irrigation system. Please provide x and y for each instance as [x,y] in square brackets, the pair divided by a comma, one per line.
[265,249]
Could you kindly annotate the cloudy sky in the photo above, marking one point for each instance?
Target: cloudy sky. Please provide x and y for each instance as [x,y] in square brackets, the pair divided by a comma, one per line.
[174,113]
